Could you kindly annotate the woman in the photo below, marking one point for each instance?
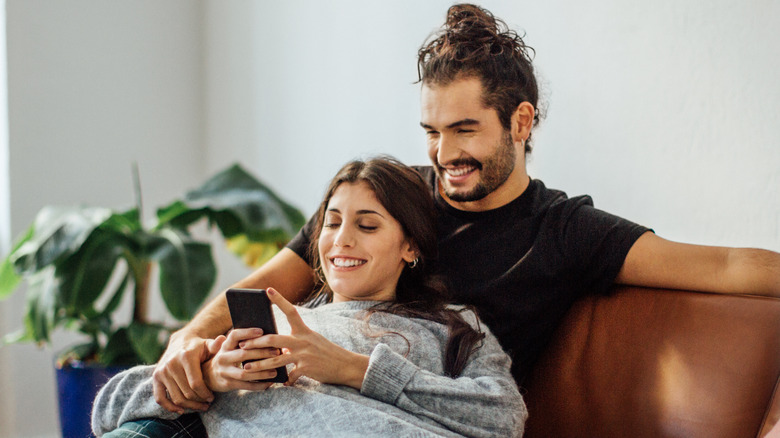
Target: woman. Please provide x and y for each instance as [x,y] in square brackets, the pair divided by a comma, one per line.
[386,356]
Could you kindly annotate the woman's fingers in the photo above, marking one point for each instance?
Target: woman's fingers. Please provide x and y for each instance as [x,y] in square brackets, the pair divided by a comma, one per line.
[237,336]
[293,318]
[292,377]
[226,371]
[252,374]
[214,345]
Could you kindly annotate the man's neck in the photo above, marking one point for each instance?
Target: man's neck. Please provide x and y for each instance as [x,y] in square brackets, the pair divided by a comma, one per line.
[511,189]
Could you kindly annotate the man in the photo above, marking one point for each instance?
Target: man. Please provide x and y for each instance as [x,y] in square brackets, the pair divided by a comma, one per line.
[518,251]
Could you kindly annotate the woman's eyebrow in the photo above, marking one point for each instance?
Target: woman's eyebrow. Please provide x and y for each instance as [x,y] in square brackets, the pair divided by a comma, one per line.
[370,212]
[359,212]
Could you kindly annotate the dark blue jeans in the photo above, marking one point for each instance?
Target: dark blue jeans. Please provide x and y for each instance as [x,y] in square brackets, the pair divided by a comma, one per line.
[186,426]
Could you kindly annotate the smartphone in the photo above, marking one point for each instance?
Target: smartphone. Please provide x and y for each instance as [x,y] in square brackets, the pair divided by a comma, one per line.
[250,308]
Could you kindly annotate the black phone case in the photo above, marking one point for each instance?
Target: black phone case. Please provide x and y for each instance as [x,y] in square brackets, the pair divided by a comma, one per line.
[251,308]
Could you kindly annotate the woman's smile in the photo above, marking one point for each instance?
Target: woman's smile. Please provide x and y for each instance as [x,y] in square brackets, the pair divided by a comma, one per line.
[345,263]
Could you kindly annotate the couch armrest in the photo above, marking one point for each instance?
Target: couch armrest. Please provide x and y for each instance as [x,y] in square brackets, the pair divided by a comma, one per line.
[660,363]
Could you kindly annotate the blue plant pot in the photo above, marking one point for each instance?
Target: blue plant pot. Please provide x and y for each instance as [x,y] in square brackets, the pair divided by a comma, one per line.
[77,386]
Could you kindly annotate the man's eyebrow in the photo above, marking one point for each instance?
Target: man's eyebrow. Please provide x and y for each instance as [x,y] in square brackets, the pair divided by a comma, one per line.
[459,123]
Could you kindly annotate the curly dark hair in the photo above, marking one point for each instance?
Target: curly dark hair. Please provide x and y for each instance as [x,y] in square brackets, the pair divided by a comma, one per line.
[419,293]
[474,43]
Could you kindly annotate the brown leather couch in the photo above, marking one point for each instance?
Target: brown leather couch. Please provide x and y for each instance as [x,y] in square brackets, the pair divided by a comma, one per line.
[660,363]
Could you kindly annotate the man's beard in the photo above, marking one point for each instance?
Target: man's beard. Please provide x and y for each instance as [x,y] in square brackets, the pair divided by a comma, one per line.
[493,172]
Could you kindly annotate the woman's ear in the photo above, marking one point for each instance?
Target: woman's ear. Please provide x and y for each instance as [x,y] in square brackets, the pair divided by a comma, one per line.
[409,252]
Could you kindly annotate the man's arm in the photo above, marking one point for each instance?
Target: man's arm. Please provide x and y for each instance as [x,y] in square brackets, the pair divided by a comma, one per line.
[178,380]
[656,262]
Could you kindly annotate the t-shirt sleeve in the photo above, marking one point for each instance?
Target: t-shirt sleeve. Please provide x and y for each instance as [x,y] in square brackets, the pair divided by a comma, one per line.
[597,243]
[301,243]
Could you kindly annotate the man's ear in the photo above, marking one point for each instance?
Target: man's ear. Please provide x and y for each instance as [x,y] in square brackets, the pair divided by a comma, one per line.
[522,121]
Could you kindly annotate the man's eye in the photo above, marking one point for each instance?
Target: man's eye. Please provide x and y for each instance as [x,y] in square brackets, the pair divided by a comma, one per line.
[464,131]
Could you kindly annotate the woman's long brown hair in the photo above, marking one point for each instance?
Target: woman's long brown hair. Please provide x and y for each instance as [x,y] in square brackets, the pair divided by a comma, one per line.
[419,293]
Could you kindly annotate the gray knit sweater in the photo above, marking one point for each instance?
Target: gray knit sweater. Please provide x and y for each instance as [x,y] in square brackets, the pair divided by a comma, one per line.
[404,392]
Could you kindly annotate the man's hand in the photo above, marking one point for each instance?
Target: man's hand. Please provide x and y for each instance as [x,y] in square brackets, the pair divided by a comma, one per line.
[178,381]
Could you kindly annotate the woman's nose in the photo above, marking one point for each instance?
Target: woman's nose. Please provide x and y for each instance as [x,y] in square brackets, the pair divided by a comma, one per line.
[344,237]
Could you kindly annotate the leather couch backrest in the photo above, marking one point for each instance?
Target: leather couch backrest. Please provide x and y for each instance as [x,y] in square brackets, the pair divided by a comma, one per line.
[658,363]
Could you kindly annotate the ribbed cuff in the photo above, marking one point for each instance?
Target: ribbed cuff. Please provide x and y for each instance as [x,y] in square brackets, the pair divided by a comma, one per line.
[387,375]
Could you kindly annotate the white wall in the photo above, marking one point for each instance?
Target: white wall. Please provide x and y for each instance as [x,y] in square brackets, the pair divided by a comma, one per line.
[664,111]
[93,87]
[7,417]
[297,88]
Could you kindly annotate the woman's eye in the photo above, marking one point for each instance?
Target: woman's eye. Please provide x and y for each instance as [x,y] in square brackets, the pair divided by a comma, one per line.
[368,227]
[331,225]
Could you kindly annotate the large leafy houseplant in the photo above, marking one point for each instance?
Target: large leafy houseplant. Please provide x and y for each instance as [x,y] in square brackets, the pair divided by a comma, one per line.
[78,263]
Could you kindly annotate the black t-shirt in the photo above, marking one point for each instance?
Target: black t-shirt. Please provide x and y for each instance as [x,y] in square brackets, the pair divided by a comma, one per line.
[524,264]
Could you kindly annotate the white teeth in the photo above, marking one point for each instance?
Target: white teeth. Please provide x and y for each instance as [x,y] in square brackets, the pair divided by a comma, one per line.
[347,263]
[460,171]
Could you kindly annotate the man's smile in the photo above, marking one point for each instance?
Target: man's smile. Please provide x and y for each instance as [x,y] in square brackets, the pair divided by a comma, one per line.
[459,171]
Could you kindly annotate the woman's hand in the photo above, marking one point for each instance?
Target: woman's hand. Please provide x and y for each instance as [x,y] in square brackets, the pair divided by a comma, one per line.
[224,371]
[311,354]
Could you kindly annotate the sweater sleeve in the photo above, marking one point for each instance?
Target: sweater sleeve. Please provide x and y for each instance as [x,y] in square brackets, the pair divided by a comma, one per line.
[126,397]
[482,402]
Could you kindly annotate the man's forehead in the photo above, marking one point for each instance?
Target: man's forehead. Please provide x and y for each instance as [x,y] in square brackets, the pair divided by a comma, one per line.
[453,102]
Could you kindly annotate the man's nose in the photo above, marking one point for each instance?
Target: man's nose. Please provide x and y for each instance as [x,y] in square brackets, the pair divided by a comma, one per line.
[447,149]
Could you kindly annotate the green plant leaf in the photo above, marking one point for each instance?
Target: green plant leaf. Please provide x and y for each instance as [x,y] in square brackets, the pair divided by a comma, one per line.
[85,274]
[148,341]
[81,352]
[179,215]
[124,223]
[119,350]
[116,298]
[69,257]
[238,204]
[187,273]
[59,232]
[40,315]
[18,336]
[9,279]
